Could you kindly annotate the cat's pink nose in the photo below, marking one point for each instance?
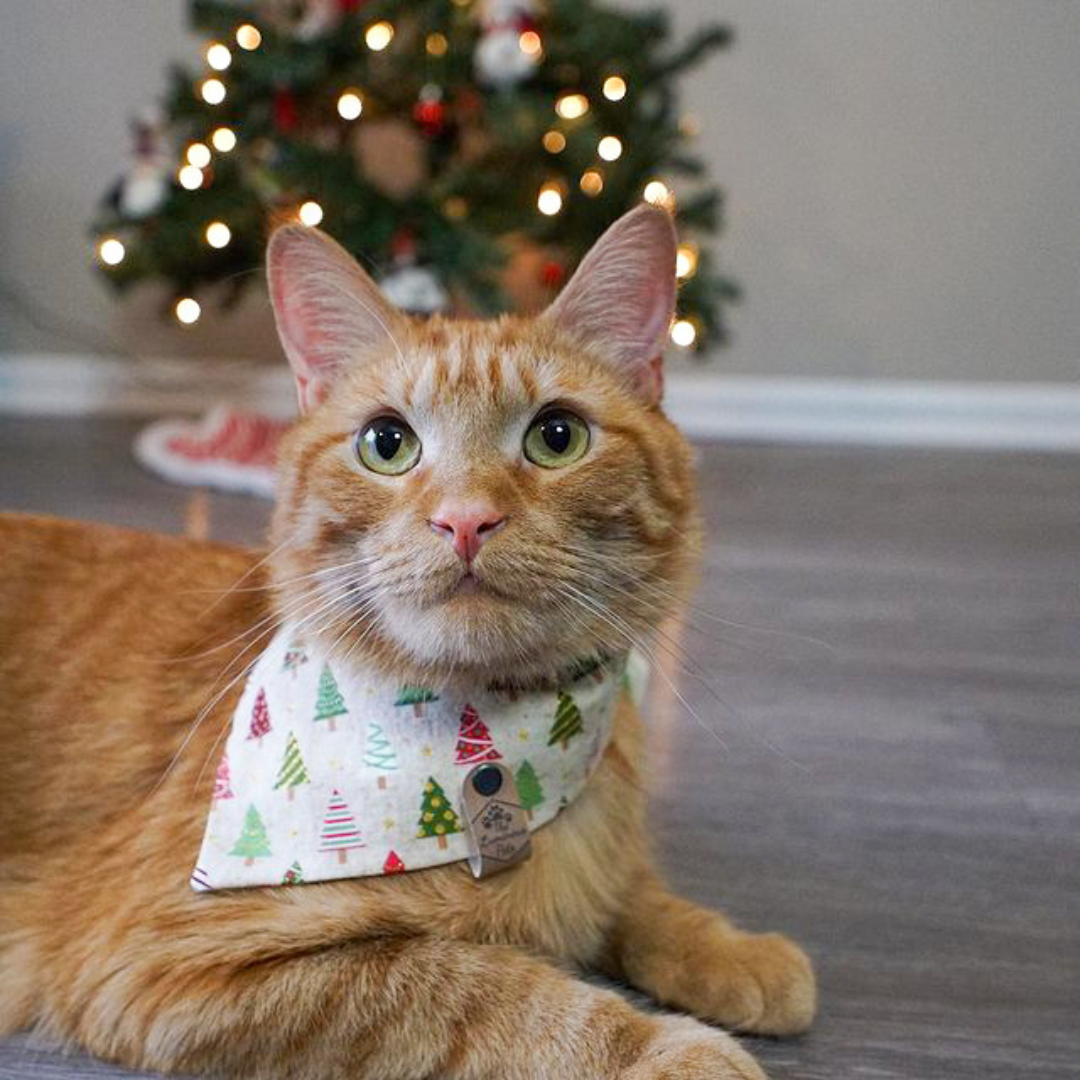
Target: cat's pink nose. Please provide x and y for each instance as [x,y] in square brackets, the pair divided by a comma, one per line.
[466,526]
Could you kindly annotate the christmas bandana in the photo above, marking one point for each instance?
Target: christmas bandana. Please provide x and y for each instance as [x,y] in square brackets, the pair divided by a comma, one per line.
[328,773]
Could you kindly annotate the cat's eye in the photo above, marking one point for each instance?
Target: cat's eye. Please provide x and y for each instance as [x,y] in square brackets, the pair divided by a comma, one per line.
[388,445]
[556,438]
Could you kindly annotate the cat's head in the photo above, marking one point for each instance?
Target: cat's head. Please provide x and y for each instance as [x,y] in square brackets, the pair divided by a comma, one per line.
[486,499]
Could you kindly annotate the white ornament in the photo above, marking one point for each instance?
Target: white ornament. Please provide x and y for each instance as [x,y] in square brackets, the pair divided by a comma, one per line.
[143,189]
[415,289]
[499,59]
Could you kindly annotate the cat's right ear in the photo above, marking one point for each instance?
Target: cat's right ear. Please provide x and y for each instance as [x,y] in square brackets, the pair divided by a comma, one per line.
[328,311]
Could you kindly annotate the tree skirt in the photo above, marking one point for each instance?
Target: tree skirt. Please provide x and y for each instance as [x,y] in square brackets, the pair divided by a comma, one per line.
[226,449]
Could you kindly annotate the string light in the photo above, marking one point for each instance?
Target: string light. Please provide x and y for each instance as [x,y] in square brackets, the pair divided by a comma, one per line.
[218,56]
[456,208]
[212,91]
[554,142]
[529,43]
[198,154]
[311,213]
[683,333]
[190,177]
[378,36]
[686,261]
[188,310]
[436,44]
[550,199]
[657,193]
[592,183]
[224,139]
[248,37]
[609,148]
[571,106]
[218,234]
[111,251]
[614,88]
[349,105]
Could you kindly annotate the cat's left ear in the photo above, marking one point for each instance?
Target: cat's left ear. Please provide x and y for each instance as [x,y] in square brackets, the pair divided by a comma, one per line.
[328,311]
[621,298]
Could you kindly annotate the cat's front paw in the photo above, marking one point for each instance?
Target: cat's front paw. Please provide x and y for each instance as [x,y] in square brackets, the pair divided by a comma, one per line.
[764,983]
[685,1049]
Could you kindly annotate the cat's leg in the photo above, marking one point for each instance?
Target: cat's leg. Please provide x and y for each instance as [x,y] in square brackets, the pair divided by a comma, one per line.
[689,957]
[393,1009]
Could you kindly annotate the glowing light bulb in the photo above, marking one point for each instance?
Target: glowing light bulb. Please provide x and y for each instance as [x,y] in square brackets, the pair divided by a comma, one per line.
[550,200]
[554,142]
[248,37]
[198,154]
[614,88]
[592,183]
[657,193]
[683,333]
[529,43]
[111,251]
[349,105]
[188,310]
[686,261]
[311,213]
[571,106]
[212,91]
[378,36]
[609,148]
[436,44]
[224,139]
[456,208]
[218,56]
[218,234]
[190,177]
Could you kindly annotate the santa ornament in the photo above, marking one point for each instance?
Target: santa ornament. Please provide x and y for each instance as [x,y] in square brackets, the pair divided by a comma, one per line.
[504,57]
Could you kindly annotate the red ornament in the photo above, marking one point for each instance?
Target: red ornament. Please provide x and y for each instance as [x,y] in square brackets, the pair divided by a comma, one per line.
[431,116]
[393,864]
[347,7]
[286,115]
[403,246]
[552,274]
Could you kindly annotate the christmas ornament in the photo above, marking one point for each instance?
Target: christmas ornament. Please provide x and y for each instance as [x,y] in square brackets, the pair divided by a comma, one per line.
[383,790]
[429,112]
[143,188]
[415,289]
[286,113]
[504,57]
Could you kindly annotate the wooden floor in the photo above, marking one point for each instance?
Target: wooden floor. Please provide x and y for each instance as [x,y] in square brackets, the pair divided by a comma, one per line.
[885,760]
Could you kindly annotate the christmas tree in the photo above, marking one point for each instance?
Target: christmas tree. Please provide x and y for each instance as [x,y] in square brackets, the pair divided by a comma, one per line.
[530,792]
[471,151]
[252,842]
[393,864]
[329,703]
[294,875]
[474,740]
[294,657]
[437,817]
[567,721]
[260,718]
[339,829]
[378,753]
[292,772]
[222,788]
[416,696]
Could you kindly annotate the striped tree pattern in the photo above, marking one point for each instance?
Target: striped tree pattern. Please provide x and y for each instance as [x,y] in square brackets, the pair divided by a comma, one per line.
[339,828]
[292,772]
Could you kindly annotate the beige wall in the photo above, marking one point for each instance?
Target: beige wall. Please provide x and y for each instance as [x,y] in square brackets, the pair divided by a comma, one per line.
[903,178]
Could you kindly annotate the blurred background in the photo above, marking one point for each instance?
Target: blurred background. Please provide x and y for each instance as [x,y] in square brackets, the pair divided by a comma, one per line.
[865,732]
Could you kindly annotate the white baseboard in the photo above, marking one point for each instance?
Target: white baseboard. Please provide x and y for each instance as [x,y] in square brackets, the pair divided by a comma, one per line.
[707,405]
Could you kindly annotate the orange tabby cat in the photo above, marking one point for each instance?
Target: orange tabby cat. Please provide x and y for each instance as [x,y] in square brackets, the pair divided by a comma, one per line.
[471,561]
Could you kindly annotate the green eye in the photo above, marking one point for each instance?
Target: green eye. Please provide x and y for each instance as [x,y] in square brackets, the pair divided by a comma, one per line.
[388,445]
[556,438]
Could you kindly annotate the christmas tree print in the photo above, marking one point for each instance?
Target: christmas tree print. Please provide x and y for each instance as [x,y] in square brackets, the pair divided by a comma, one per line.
[329,703]
[416,696]
[294,657]
[378,753]
[252,843]
[294,875]
[437,817]
[339,831]
[474,740]
[567,721]
[530,792]
[222,788]
[393,864]
[292,772]
[260,718]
